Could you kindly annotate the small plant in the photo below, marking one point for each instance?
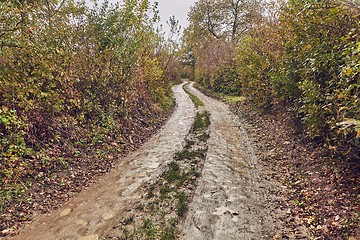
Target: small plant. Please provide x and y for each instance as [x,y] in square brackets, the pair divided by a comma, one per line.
[150,191]
[149,229]
[182,204]
[203,137]
[185,154]
[164,191]
[173,173]
[168,233]
[189,143]
[202,121]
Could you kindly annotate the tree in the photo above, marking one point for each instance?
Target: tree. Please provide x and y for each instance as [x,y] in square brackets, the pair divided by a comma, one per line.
[224,19]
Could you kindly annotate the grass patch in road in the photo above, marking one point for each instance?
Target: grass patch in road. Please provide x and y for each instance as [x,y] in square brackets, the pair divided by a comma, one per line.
[197,102]
[167,199]
[182,205]
[187,154]
[202,121]
[173,173]
[203,137]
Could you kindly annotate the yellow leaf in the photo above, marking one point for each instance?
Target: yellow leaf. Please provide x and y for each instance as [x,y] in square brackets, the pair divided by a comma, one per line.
[348,72]
[5,109]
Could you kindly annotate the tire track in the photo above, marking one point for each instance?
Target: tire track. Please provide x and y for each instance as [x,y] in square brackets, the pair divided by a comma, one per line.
[230,201]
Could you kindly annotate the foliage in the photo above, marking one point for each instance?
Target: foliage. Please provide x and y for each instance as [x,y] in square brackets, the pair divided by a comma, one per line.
[324,74]
[72,77]
[300,55]
[225,78]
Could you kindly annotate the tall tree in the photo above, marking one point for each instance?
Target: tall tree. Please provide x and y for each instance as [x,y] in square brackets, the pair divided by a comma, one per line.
[224,19]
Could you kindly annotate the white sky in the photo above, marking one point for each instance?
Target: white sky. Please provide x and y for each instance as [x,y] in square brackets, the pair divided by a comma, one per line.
[168,8]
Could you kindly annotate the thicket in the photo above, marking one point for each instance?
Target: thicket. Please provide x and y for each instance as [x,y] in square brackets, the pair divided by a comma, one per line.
[71,76]
[299,55]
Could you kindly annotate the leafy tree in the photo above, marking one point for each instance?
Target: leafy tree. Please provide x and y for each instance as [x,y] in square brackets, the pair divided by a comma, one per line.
[70,76]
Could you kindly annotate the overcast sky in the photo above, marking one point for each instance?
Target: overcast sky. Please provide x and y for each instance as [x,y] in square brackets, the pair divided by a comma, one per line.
[168,8]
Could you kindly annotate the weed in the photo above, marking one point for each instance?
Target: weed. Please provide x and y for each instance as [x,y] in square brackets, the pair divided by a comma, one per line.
[185,154]
[203,137]
[164,191]
[182,204]
[127,235]
[150,191]
[202,121]
[190,155]
[168,233]
[173,173]
[189,144]
[149,229]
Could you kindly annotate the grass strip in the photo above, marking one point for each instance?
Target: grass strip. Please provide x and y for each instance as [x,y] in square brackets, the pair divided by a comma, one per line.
[197,102]
[166,201]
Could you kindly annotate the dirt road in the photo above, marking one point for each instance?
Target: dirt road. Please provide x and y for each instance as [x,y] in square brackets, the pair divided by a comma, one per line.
[231,200]
[97,209]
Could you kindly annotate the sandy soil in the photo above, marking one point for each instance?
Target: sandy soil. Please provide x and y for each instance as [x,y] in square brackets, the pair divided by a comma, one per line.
[95,210]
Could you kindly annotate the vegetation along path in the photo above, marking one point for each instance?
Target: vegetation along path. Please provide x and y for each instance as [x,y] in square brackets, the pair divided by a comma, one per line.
[95,210]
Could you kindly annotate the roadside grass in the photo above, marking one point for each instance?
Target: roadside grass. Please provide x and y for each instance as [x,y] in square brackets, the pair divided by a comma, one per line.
[234,99]
[231,99]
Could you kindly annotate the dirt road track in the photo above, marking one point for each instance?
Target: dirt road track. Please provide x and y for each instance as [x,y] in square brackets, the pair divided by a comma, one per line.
[230,201]
[95,210]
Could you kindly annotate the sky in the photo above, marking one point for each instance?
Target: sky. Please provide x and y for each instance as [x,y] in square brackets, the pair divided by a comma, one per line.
[168,8]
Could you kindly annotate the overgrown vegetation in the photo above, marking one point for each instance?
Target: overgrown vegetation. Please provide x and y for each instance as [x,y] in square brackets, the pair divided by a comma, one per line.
[302,56]
[299,58]
[74,83]
[167,199]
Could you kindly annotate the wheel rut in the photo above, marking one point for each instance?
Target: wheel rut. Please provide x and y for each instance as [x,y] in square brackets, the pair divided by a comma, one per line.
[230,198]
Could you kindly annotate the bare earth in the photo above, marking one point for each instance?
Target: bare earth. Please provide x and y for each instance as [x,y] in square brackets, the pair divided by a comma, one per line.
[234,198]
